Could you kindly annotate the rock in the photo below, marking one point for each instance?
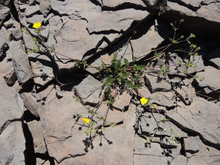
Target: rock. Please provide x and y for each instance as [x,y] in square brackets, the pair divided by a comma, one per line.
[3,43]
[35,18]
[193,117]
[186,94]
[191,144]
[74,35]
[20,62]
[214,57]
[149,123]
[44,32]
[43,68]
[122,101]
[196,65]
[10,78]
[209,79]
[113,148]
[175,68]
[9,23]
[45,8]
[28,40]
[162,99]
[4,12]
[205,15]
[62,136]
[141,147]
[197,160]
[90,94]
[30,102]
[148,34]
[12,105]
[179,159]
[12,139]
[156,84]
[118,20]
[16,33]
[31,10]
[155,160]
[37,135]
[12,143]
[115,3]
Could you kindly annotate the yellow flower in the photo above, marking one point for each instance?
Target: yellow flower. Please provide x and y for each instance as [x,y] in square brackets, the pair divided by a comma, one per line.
[86,120]
[93,130]
[155,105]
[143,100]
[37,25]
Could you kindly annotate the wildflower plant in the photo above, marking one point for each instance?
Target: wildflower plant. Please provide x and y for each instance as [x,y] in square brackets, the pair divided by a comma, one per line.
[123,76]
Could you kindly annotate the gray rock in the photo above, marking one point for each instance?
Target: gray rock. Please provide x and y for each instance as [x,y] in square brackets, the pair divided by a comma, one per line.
[91,93]
[12,142]
[30,102]
[141,147]
[9,23]
[73,36]
[23,7]
[156,84]
[174,65]
[12,105]
[214,56]
[37,135]
[113,148]
[161,99]
[118,20]
[35,18]
[198,118]
[44,32]
[206,17]
[16,33]
[179,159]
[155,160]
[20,62]
[197,64]
[186,94]
[31,10]
[191,144]
[3,43]
[122,101]
[209,79]
[115,3]
[149,124]
[62,136]
[198,160]
[43,68]
[148,34]
[28,40]
[45,8]
[10,78]
[4,12]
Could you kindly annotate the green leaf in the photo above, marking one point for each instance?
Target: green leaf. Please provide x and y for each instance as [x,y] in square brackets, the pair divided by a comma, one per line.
[126,63]
[109,81]
[124,75]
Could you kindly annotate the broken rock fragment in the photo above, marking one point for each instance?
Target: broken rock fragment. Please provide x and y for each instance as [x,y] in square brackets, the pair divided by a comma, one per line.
[90,94]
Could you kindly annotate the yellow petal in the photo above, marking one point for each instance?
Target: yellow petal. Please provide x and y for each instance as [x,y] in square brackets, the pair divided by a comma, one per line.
[86,120]
[155,105]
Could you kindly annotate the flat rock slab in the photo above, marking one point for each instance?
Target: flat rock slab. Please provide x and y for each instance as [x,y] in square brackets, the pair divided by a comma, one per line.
[115,147]
[20,62]
[151,160]
[91,93]
[209,78]
[205,16]
[156,84]
[11,105]
[63,138]
[115,3]
[12,143]
[149,124]
[199,117]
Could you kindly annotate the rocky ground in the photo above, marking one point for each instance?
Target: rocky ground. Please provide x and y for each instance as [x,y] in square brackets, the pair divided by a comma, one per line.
[43,94]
